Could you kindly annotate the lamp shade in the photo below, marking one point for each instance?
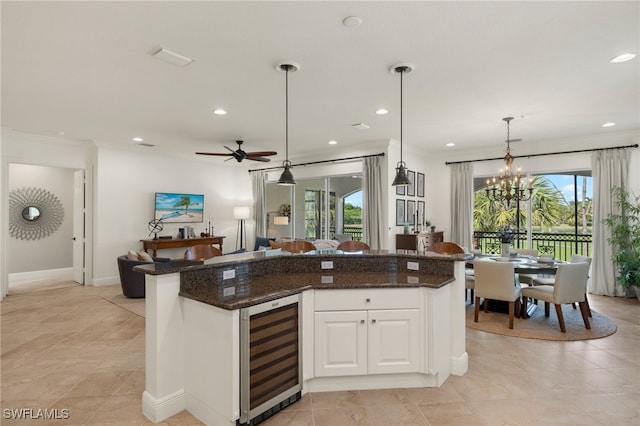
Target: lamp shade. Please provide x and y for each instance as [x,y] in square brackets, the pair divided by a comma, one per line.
[281,220]
[241,212]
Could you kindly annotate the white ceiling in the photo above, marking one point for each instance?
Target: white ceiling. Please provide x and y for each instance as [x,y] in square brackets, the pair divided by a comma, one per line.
[86,69]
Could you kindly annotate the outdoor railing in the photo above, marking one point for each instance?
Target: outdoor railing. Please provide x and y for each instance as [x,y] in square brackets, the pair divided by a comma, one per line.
[561,246]
[354,229]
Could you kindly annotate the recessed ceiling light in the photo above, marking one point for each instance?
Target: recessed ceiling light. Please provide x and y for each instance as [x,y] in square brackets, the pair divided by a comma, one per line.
[451,144]
[172,57]
[360,126]
[609,124]
[623,58]
[382,111]
[136,139]
[352,21]
[332,142]
[220,111]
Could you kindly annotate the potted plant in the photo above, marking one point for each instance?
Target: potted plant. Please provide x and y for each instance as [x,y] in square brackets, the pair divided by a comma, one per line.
[427,222]
[625,239]
[506,237]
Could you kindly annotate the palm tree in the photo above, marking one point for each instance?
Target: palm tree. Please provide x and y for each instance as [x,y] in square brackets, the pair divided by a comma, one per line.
[547,202]
[184,201]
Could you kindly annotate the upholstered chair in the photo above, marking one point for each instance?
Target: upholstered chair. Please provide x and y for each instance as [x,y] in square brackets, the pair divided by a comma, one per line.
[569,286]
[201,252]
[298,246]
[526,278]
[576,258]
[496,281]
[352,246]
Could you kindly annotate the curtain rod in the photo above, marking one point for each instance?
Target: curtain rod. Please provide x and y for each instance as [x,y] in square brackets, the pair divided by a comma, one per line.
[321,161]
[540,155]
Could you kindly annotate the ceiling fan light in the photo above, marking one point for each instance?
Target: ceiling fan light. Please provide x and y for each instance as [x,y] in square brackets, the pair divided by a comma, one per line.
[401,178]
[286,178]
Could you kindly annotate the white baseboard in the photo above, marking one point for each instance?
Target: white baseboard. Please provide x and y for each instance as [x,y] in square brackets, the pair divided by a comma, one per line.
[97,282]
[61,274]
[158,410]
[459,365]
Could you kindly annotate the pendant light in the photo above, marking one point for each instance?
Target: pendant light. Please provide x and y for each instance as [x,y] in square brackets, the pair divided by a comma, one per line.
[286,178]
[401,178]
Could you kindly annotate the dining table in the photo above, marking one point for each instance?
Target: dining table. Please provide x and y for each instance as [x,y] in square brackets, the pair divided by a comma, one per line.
[523,264]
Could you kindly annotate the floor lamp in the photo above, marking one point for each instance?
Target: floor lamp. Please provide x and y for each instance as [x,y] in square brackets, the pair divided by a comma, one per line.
[241,213]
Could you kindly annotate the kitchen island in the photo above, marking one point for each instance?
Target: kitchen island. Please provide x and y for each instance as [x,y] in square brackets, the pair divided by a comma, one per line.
[378,319]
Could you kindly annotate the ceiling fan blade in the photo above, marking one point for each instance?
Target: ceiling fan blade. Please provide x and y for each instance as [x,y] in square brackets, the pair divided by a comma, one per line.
[261,153]
[213,153]
[264,160]
[229,149]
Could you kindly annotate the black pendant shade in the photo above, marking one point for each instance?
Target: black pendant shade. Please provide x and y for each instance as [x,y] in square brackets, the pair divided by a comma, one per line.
[401,175]
[286,178]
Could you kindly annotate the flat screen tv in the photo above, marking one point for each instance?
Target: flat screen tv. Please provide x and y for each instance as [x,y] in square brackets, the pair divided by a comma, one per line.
[179,208]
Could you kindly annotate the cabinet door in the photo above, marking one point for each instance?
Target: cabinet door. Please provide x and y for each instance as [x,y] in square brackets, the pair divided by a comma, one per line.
[394,341]
[340,343]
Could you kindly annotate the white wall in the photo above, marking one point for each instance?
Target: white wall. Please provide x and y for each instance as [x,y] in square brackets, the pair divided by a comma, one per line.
[126,183]
[56,250]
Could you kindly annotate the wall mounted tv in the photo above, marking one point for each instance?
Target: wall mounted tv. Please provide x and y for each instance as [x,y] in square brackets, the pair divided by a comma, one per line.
[179,208]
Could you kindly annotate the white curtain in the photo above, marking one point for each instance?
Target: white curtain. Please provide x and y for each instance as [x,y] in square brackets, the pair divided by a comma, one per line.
[462,204]
[259,209]
[372,202]
[610,169]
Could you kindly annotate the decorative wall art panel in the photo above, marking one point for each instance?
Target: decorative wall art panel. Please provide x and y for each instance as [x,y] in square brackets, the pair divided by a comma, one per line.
[34,213]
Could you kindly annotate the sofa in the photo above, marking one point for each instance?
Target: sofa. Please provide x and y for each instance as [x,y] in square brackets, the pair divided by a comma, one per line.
[133,282]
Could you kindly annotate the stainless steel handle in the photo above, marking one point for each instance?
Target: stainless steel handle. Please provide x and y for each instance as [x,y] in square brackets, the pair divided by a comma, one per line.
[373,321]
[368,300]
[361,321]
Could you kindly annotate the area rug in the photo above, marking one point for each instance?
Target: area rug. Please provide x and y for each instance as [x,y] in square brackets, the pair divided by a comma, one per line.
[540,327]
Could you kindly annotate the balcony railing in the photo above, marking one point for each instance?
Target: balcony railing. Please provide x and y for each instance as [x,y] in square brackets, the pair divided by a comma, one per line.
[561,246]
[354,229]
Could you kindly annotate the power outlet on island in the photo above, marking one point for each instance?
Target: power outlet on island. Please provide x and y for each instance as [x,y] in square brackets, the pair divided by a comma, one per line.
[413,266]
[327,264]
[229,291]
[327,279]
[228,274]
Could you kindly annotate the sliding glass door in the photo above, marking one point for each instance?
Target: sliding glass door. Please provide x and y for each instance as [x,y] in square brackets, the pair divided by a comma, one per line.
[319,208]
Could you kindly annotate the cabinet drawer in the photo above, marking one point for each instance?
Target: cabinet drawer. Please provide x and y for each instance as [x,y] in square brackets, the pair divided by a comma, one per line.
[364,299]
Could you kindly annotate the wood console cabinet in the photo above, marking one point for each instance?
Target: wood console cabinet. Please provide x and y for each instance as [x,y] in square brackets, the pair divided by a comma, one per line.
[422,241]
[159,244]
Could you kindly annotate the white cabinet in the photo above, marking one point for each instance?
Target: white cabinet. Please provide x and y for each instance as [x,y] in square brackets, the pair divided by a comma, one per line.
[381,340]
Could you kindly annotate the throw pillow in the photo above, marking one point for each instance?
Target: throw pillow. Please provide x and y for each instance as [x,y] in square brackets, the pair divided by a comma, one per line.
[262,242]
[144,256]
[132,255]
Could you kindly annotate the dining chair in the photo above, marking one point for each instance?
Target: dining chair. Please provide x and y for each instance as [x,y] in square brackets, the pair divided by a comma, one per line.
[352,246]
[446,247]
[575,258]
[526,278]
[298,246]
[496,281]
[569,286]
[201,252]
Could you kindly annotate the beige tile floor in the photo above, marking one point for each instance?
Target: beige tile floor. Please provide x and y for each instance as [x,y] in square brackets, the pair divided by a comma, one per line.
[71,348]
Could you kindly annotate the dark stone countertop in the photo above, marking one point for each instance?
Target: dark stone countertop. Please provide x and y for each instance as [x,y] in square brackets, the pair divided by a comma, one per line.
[263,276]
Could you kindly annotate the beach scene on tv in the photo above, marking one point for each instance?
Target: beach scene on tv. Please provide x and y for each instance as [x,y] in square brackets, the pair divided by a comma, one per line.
[179,208]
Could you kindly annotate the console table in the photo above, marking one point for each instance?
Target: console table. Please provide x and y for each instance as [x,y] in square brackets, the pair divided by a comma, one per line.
[158,244]
[422,241]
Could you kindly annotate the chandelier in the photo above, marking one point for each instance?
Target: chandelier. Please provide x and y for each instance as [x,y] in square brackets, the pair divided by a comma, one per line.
[508,186]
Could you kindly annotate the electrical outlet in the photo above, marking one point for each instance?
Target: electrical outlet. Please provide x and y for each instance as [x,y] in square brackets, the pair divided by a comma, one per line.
[413,266]
[228,274]
[228,291]
[413,280]
[327,279]
[327,264]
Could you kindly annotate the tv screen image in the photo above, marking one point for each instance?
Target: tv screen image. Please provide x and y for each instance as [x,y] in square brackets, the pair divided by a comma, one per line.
[179,208]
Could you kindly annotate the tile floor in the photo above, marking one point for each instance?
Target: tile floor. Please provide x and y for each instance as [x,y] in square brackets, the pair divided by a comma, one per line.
[71,348]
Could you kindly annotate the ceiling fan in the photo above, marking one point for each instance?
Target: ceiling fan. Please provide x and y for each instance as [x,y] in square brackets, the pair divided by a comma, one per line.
[240,155]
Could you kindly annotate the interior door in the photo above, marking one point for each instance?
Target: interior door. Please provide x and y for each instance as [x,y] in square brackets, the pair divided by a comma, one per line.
[78,226]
